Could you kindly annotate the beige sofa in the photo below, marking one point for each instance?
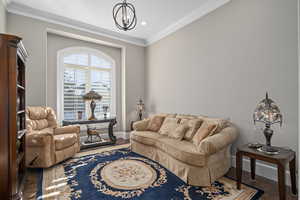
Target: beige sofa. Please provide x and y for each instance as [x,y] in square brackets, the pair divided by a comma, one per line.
[198,165]
[46,143]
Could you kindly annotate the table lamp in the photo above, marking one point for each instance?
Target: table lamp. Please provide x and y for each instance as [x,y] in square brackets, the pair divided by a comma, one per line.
[140,107]
[268,113]
[92,96]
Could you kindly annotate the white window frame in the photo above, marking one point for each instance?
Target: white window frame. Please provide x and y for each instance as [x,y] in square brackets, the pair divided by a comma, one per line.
[60,77]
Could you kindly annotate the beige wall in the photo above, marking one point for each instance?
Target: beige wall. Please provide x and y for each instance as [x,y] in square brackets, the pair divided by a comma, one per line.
[2,17]
[222,65]
[34,37]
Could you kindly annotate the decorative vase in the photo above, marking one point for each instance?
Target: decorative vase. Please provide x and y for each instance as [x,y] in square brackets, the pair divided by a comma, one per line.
[79,115]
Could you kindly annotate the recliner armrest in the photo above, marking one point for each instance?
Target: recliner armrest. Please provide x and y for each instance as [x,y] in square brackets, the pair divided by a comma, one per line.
[141,125]
[38,138]
[219,141]
[66,129]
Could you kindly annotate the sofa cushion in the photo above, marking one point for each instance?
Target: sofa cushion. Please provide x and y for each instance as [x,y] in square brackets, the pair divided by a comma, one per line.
[141,125]
[205,130]
[186,116]
[145,137]
[183,151]
[37,112]
[41,117]
[169,125]
[179,131]
[193,124]
[155,123]
[38,124]
[64,141]
[164,115]
[220,124]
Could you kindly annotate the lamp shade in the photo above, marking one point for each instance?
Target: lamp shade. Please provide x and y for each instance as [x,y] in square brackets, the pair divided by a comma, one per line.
[267,112]
[92,95]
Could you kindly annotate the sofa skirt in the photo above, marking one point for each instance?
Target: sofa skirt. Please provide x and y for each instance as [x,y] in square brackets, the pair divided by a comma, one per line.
[217,164]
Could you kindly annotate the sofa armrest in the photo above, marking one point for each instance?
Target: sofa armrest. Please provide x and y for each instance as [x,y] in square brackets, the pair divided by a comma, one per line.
[219,141]
[39,149]
[39,139]
[66,129]
[69,129]
[141,125]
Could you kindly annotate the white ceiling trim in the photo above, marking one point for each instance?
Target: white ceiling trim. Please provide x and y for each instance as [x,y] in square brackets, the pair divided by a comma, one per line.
[208,7]
[55,19]
[23,10]
[6,2]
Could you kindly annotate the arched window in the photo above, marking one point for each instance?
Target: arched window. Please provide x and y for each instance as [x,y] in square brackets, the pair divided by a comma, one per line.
[82,70]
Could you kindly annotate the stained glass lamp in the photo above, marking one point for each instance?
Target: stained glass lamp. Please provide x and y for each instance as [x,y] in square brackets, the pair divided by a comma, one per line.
[92,96]
[268,112]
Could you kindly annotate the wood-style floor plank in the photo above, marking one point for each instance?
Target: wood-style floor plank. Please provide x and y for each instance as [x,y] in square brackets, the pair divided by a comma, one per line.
[268,186]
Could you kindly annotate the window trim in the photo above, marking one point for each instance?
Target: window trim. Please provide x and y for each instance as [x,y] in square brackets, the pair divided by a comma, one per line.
[60,77]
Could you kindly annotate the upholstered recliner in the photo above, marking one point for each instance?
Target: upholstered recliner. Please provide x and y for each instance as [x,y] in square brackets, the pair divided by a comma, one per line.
[46,143]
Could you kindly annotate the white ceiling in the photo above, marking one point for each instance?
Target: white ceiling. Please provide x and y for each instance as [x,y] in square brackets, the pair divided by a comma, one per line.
[162,16]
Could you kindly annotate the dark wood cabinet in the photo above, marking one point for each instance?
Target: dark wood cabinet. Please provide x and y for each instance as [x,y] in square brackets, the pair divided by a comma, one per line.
[12,116]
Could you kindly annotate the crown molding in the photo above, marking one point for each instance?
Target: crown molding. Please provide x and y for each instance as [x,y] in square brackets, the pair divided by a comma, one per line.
[23,10]
[6,2]
[26,11]
[208,7]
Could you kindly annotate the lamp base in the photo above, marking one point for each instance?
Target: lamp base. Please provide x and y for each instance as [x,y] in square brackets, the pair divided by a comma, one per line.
[269,150]
[92,118]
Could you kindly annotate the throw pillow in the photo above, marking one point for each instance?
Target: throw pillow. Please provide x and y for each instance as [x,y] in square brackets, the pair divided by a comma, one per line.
[220,124]
[186,116]
[204,131]
[141,125]
[193,124]
[168,126]
[163,115]
[155,123]
[179,131]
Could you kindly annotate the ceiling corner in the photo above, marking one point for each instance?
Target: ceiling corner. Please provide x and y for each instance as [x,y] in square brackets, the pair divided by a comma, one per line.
[6,2]
[207,8]
[26,11]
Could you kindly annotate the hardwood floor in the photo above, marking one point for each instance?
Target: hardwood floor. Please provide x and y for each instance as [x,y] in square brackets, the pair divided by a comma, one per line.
[268,186]
[31,179]
[30,185]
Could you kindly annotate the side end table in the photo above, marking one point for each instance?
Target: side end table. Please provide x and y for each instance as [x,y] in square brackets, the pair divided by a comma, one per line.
[285,156]
[112,138]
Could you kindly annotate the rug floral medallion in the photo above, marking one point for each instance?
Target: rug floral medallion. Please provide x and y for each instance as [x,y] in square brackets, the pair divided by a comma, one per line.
[121,174]
[126,174]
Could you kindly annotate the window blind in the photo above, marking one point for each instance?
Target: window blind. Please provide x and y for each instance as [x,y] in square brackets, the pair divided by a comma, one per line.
[83,73]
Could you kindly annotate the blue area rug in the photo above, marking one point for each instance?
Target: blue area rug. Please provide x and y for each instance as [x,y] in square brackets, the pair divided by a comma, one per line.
[122,174]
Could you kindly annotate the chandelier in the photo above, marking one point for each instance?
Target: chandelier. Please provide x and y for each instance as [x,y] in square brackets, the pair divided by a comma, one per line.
[124,16]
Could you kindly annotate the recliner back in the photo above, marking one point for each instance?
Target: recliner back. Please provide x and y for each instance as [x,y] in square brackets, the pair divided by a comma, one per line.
[38,118]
